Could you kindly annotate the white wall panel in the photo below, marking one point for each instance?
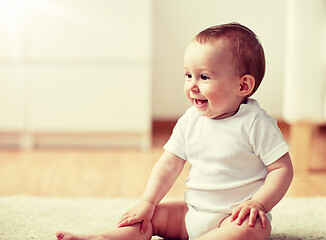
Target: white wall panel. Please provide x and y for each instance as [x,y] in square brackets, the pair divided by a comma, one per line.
[11,30]
[84,68]
[88,98]
[305,72]
[11,98]
[89,30]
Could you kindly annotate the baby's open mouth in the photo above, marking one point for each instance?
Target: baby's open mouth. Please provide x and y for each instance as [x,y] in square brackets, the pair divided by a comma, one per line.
[199,102]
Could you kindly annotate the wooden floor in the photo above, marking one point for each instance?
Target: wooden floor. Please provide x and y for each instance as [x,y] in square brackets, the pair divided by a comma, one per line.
[120,172]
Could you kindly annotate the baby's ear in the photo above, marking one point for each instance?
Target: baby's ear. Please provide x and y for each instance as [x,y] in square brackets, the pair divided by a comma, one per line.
[247,84]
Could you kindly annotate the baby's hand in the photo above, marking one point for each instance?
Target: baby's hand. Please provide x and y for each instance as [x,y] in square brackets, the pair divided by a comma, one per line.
[253,209]
[141,213]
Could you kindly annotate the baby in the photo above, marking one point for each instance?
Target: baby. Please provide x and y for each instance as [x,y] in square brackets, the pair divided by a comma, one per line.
[240,165]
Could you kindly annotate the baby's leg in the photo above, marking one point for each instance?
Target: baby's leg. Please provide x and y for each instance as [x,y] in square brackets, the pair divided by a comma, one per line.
[130,232]
[167,222]
[231,230]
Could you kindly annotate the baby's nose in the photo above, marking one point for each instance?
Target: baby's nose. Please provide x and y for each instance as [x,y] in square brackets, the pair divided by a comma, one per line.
[193,87]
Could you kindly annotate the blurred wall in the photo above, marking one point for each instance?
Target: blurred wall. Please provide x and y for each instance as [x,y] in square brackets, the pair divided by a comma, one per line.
[71,67]
[177,22]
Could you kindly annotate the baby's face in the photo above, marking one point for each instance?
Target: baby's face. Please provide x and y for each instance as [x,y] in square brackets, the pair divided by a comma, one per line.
[210,82]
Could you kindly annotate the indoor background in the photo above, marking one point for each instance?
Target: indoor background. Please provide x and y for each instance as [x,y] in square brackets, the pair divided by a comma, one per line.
[85,82]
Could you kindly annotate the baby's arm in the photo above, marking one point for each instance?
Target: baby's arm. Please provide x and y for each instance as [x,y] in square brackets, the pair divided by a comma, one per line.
[277,182]
[164,174]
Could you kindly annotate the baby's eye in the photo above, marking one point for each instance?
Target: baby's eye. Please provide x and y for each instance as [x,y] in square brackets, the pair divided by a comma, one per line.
[204,77]
[188,75]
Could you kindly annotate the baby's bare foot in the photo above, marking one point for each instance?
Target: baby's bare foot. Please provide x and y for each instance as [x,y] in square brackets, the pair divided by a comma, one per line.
[70,236]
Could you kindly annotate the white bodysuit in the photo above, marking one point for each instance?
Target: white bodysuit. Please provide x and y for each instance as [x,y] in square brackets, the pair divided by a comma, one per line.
[228,160]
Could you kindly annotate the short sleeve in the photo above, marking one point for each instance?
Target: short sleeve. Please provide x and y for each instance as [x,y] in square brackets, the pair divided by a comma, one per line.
[176,143]
[266,139]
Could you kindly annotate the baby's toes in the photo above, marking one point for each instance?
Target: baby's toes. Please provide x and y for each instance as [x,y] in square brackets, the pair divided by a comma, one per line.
[64,236]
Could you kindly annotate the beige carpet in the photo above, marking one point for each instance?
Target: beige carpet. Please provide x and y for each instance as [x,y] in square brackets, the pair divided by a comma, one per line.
[38,218]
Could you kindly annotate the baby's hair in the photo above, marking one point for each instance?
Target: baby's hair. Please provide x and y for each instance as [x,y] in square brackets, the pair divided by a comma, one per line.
[247,52]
